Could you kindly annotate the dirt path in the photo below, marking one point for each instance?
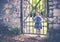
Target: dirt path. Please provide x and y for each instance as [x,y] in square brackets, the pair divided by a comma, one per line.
[21,38]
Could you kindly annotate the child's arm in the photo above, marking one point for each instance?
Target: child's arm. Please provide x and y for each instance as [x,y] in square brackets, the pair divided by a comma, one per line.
[34,18]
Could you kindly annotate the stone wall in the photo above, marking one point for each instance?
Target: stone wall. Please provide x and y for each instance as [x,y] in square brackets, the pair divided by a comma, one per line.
[10,13]
[56,14]
[55,20]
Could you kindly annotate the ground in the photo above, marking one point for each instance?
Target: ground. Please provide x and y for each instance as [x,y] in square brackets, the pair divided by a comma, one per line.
[22,38]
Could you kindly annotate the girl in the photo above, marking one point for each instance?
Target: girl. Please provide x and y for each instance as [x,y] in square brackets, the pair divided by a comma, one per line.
[37,24]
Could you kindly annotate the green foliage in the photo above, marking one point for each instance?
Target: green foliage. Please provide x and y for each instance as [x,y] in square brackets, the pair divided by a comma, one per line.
[32,14]
[3,28]
[41,6]
[15,30]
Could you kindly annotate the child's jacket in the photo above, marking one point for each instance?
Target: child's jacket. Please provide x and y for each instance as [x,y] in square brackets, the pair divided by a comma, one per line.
[37,20]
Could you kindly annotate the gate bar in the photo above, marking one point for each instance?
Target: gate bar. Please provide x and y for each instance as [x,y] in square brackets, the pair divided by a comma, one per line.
[21,17]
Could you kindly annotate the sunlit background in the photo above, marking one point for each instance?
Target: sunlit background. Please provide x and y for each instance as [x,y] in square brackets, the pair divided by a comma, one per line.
[29,9]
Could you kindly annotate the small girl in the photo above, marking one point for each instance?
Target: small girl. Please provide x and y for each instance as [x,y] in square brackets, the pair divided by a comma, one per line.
[37,24]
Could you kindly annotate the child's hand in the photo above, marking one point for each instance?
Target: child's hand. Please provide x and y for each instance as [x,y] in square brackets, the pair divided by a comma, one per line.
[32,16]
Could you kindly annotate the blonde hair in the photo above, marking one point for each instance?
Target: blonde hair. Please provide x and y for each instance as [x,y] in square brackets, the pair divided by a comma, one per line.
[37,11]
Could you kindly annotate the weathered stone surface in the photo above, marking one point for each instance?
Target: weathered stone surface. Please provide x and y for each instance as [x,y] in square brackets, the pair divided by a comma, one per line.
[11,13]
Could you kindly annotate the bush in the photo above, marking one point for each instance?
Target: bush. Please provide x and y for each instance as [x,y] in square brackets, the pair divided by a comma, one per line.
[15,30]
[32,14]
[3,28]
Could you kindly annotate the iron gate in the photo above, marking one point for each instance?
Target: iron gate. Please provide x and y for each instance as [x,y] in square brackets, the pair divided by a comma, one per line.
[28,8]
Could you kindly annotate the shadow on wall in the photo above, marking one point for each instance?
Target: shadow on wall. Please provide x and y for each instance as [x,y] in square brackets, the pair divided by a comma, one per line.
[57,0]
[3,1]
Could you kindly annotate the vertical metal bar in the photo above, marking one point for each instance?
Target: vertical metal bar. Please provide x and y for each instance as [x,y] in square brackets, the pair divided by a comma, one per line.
[47,14]
[46,11]
[31,21]
[43,26]
[39,10]
[47,8]
[29,18]
[21,18]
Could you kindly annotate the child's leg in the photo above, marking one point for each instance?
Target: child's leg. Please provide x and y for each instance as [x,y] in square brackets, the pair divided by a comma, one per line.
[38,31]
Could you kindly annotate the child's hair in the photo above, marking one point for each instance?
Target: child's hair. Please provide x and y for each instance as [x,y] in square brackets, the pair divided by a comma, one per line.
[37,11]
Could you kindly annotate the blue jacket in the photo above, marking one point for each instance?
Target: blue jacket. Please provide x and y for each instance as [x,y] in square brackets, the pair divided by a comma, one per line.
[37,20]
